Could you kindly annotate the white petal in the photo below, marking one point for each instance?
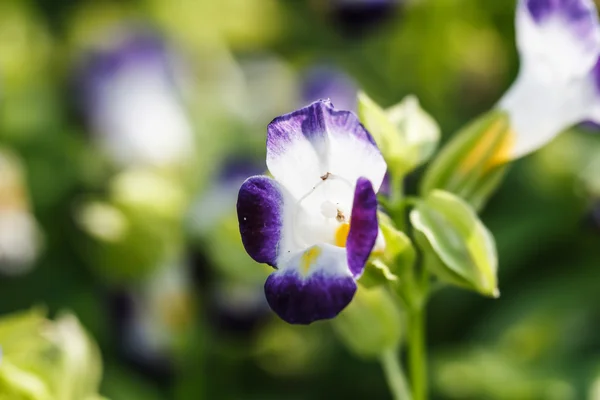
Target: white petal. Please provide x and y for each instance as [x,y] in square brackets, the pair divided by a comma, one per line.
[317,141]
[559,39]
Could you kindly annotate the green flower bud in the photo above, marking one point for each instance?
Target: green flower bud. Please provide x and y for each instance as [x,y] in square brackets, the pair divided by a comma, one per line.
[47,360]
[472,164]
[399,255]
[406,135]
[371,324]
[456,246]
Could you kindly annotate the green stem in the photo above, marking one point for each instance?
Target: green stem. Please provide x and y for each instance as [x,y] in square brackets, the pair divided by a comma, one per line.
[394,375]
[397,205]
[416,353]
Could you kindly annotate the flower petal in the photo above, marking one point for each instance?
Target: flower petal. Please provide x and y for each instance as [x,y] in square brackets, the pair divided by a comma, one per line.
[363,227]
[559,43]
[305,145]
[260,215]
[558,38]
[315,284]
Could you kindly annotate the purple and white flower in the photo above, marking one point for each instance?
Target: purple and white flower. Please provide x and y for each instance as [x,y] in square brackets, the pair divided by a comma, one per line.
[132,101]
[316,221]
[558,83]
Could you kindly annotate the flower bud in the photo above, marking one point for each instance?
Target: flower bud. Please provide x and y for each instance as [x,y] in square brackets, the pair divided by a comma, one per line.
[387,266]
[406,135]
[471,165]
[456,246]
[371,324]
[47,360]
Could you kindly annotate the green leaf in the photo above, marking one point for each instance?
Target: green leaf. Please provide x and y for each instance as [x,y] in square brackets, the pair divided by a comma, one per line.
[465,251]
[473,163]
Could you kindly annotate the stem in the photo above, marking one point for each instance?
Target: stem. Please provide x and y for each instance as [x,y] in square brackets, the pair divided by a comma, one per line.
[394,375]
[397,201]
[416,353]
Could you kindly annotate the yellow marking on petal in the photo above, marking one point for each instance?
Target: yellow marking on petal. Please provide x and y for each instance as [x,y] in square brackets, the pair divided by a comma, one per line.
[341,234]
[309,257]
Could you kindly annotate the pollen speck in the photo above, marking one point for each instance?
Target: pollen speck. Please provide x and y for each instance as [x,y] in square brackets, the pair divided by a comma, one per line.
[308,258]
[341,234]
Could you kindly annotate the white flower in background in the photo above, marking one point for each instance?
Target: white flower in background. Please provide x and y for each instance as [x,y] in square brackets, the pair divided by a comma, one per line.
[20,238]
[133,104]
[558,83]
[160,314]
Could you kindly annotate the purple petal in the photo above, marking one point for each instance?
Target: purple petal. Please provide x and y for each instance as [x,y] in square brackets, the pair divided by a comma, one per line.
[260,215]
[596,75]
[363,226]
[313,123]
[300,300]
[573,11]
[558,39]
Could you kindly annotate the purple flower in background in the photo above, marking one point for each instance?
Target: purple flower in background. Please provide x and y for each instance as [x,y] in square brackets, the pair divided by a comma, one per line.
[316,221]
[217,201]
[559,79]
[323,82]
[132,103]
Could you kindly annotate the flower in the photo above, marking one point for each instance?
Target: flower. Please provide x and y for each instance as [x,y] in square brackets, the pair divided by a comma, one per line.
[131,99]
[558,83]
[316,221]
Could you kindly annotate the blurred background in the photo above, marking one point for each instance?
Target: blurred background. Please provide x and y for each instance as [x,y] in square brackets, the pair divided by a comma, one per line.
[127,127]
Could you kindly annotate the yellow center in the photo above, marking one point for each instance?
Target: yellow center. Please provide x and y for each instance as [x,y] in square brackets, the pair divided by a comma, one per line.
[309,257]
[341,234]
